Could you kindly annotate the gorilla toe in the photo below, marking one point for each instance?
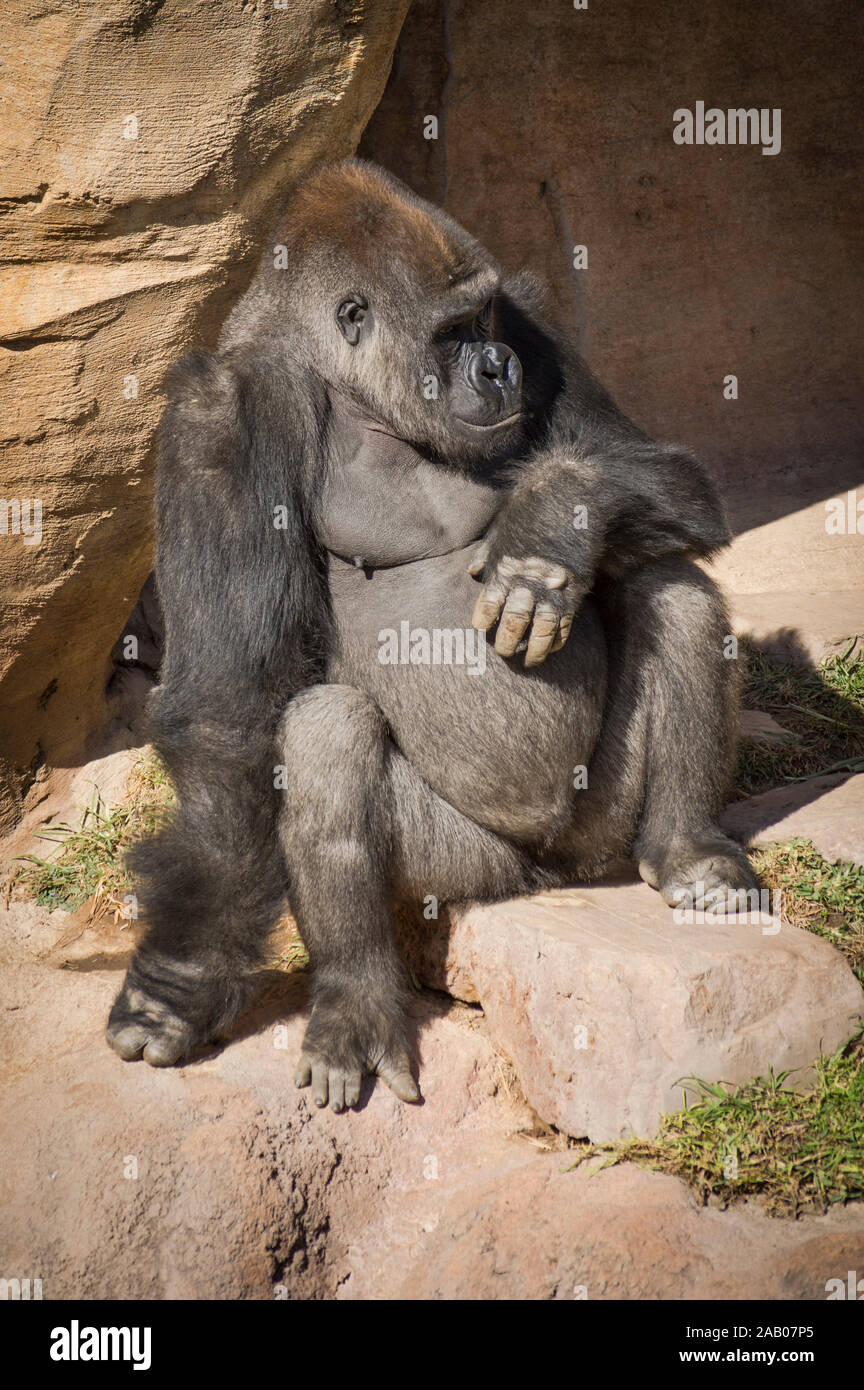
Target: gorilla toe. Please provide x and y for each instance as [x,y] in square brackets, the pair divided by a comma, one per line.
[141,1026]
[708,873]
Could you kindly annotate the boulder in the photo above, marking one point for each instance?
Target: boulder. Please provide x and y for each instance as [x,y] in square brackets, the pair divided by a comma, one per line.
[758,727]
[603,1002]
[829,811]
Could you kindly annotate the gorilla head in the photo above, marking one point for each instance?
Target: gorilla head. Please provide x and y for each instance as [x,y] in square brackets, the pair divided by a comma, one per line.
[395,306]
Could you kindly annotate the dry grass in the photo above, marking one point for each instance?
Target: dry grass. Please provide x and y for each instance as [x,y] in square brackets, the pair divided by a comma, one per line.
[824,898]
[823,709]
[87,863]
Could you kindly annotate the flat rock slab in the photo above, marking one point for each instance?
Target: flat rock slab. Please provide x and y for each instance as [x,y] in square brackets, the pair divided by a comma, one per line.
[758,727]
[604,1002]
[541,1232]
[799,628]
[829,811]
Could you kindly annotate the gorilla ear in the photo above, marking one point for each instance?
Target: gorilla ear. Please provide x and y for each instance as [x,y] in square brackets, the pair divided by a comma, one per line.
[350,316]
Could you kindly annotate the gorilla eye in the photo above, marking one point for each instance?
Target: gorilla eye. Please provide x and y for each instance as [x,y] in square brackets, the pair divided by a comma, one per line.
[446,330]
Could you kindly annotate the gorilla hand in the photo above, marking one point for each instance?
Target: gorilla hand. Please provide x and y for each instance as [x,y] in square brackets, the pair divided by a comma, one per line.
[519,594]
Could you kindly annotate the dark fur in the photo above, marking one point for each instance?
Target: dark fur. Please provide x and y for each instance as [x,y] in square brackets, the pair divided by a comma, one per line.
[405,780]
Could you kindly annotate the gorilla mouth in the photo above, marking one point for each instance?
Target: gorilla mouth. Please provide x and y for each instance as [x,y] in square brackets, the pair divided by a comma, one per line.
[495,425]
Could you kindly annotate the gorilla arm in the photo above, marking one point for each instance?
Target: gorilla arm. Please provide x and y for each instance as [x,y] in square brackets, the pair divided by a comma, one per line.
[577,513]
[593,494]
[245,609]
[574,515]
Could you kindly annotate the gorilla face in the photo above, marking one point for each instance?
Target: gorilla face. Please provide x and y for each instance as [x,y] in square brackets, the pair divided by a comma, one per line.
[452,388]
[425,364]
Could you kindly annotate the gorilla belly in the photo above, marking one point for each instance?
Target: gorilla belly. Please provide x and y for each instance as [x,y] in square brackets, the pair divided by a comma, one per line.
[496,741]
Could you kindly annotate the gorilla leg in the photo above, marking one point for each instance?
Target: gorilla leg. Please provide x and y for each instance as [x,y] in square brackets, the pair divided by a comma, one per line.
[663,761]
[358,825]
[690,732]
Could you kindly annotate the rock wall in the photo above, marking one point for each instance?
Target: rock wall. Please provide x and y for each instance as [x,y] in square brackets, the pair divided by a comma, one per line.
[145,144]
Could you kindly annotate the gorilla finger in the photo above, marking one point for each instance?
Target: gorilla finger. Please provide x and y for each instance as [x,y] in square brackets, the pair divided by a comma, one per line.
[514,621]
[128,1041]
[164,1051]
[303,1074]
[337,1091]
[396,1073]
[353,1085]
[481,555]
[563,633]
[489,605]
[543,633]
[511,630]
[320,1076]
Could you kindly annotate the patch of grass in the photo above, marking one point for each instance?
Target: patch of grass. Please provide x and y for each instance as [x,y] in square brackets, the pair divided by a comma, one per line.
[823,708]
[824,898]
[88,863]
[798,1151]
[293,955]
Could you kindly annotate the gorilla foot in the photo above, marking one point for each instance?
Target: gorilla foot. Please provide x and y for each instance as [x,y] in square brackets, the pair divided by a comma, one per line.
[167,1009]
[707,872]
[338,1052]
[141,1026]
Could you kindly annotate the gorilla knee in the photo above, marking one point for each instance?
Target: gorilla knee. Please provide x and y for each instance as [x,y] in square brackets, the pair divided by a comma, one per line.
[331,744]
[326,722]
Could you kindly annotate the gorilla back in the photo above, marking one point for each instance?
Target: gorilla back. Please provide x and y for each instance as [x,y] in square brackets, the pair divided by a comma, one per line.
[434,625]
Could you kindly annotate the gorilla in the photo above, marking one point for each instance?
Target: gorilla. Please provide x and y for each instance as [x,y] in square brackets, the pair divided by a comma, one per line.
[435,626]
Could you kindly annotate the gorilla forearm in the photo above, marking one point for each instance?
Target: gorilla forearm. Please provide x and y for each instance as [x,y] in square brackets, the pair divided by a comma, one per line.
[611,511]
[212,879]
[594,492]
[243,609]
[581,511]
[212,884]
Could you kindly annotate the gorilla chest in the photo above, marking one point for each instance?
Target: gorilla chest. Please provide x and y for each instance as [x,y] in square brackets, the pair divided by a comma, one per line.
[383,504]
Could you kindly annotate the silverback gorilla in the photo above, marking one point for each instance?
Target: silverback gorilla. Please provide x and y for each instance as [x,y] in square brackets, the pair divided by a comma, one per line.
[393,455]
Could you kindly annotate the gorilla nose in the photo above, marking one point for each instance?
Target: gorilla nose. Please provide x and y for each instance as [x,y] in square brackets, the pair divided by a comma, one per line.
[496,371]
